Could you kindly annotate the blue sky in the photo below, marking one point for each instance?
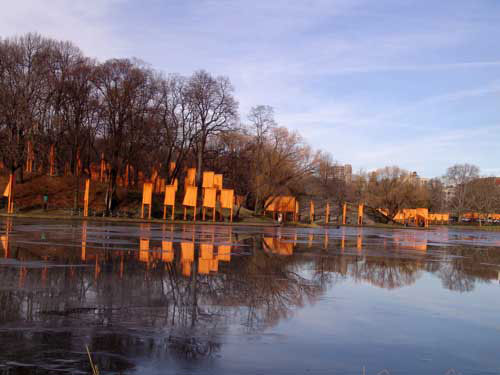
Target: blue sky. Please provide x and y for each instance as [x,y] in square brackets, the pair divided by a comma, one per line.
[374,82]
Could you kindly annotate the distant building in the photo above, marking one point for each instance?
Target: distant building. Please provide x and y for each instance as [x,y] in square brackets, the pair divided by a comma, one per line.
[343,172]
[414,177]
[424,180]
[348,173]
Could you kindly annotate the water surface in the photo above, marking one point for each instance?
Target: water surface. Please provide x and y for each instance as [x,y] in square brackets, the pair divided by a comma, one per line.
[165,299]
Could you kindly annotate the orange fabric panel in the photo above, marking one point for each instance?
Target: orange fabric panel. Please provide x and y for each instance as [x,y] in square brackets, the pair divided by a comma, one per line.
[209,197]
[218,181]
[423,212]
[227,198]
[277,246]
[410,212]
[147,193]
[170,191]
[187,252]
[186,269]
[214,265]
[208,179]
[282,203]
[6,192]
[204,266]
[286,204]
[383,211]
[191,196]
[207,251]
[190,177]
[4,240]
[421,246]
[284,248]
[359,243]
[167,251]
[270,204]
[144,250]
[224,253]
[269,243]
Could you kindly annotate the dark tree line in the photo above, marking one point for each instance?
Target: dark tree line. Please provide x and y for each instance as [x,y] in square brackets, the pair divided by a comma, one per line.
[54,97]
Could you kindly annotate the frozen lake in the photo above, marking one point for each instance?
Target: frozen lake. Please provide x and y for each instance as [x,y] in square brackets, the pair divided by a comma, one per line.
[183,299]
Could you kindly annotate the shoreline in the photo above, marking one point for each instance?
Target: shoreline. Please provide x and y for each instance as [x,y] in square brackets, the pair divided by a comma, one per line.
[238,223]
[134,220]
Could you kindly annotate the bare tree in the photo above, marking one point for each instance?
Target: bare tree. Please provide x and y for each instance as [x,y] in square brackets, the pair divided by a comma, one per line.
[483,196]
[261,125]
[214,109]
[390,188]
[125,94]
[176,131]
[458,176]
[287,161]
[23,87]
[74,102]
[437,198]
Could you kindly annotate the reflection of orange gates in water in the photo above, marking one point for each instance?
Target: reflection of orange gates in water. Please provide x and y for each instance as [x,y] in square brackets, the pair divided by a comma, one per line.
[411,241]
[4,239]
[278,246]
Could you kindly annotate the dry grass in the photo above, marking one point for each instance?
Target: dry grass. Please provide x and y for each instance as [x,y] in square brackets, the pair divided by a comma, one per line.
[95,370]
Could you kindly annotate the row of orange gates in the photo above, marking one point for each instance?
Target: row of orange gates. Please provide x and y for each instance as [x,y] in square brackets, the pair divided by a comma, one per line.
[212,193]
[290,205]
[418,216]
[212,190]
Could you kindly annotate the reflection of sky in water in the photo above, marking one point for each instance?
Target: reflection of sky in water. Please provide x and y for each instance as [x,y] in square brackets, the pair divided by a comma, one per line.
[269,300]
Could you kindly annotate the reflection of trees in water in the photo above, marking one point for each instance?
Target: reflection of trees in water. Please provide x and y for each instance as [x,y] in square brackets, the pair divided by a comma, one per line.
[384,272]
[459,268]
[269,288]
[387,272]
[463,267]
[453,277]
[134,309]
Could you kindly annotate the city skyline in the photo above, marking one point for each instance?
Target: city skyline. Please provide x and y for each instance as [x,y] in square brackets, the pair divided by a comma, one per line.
[409,83]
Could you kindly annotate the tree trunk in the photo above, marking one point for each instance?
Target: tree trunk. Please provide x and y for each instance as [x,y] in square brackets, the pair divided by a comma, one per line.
[199,165]
[257,202]
[19,175]
[110,192]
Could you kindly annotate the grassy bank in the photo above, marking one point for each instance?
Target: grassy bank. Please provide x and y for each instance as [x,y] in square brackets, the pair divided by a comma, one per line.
[46,216]
[487,228]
